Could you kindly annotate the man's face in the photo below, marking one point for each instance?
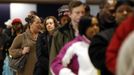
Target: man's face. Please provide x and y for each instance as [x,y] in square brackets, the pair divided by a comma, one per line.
[76,13]
[64,20]
[122,12]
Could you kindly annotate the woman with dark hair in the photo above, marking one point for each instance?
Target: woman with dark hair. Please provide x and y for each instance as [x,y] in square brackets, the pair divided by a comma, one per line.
[43,46]
[73,57]
[25,43]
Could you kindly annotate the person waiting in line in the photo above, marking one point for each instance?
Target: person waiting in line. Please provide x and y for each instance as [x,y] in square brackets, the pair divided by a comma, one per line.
[120,34]
[73,57]
[17,28]
[98,48]
[43,46]
[63,15]
[68,31]
[25,43]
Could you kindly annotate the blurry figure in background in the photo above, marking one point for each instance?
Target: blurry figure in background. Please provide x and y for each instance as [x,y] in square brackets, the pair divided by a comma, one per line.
[106,15]
[8,32]
[43,46]
[8,28]
[126,14]
[87,9]
[73,57]
[32,13]
[43,29]
[3,41]
[17,28]
[125,61]
[26,43]
[98,48]
[63,15]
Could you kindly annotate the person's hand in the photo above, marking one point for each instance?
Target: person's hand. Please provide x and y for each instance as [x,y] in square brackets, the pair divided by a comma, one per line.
[26,50]
[66,71]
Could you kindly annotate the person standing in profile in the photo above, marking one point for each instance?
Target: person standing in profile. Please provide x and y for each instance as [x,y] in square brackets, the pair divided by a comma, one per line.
[25,43]
[69,31]
[73,57]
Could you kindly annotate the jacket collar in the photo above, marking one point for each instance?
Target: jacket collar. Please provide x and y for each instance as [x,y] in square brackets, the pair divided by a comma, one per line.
[84,38]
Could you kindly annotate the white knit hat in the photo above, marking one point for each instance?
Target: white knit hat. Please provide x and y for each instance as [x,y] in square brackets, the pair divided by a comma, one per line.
[8,22]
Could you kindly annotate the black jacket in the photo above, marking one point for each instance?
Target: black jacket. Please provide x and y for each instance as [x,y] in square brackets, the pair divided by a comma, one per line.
[42,52]
[3,45]
[97,50]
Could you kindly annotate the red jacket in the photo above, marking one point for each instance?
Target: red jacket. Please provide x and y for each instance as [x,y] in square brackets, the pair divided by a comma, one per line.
[121,33]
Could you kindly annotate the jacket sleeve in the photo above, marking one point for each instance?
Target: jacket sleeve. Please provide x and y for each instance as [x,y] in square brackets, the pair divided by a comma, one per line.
[125,61]
[53,51]
[16,48]
[112,51]
[57,66]
[97,51]
[56,45]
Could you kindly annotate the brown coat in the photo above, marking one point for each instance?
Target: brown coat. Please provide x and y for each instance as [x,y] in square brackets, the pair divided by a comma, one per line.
[22,40]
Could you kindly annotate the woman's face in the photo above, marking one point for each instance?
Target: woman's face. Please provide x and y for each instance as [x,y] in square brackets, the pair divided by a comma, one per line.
[93,29]
[36,25]
[50,25]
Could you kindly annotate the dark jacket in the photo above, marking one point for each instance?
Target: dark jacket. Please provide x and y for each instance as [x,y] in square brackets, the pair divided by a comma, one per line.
[42,52]
[97,50]
[3,41]
[62,35]
[3,45]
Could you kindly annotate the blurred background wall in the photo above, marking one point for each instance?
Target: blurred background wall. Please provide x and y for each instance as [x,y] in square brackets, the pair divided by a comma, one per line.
[20,9]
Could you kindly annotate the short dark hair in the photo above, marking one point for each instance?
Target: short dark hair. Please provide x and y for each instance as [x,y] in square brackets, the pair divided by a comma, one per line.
[74,4]
[128,2]
[83,25]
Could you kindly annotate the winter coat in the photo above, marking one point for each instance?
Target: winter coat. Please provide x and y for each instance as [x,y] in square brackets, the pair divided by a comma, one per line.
[20,41]
[97,50]
[42,51]
[73,59]
[120,34]
[61,36]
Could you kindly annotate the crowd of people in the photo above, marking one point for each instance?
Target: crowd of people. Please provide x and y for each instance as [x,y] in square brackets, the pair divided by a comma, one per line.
[75,43]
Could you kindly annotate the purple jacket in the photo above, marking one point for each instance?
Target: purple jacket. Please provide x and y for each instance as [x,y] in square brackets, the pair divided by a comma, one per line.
[56,64]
